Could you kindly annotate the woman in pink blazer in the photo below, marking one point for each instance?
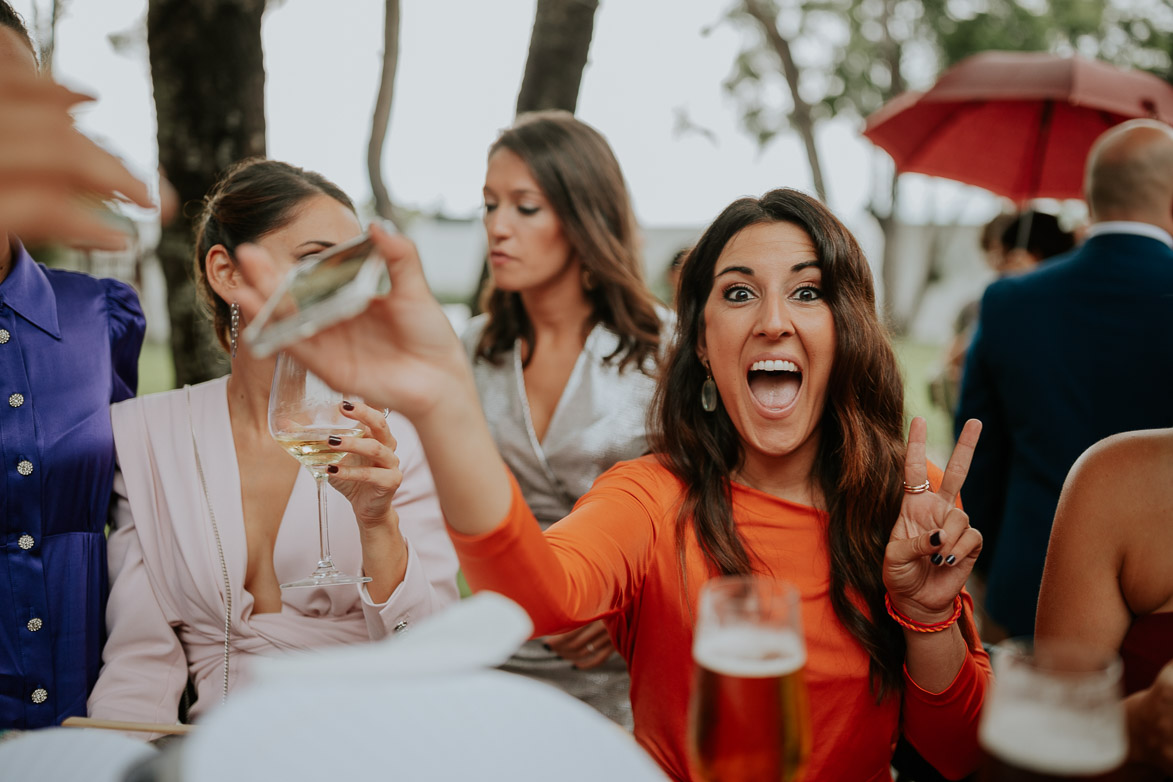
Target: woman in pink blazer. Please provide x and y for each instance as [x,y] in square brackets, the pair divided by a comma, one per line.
[213,514]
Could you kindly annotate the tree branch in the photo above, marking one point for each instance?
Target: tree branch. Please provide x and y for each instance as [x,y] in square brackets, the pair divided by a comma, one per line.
[801,116]
[382,116]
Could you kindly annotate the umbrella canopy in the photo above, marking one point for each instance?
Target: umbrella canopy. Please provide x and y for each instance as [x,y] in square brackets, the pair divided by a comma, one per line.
[1017,123]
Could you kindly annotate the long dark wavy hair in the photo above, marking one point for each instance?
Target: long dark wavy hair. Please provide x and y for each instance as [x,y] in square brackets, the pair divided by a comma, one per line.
[252,198]
[859,463]
[580,177]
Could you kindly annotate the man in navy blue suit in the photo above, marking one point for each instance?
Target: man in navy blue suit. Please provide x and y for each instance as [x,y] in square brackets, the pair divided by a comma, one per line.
[1066,355]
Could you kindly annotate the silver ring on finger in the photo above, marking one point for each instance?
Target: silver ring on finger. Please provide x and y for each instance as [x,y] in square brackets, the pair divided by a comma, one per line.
[590,647]
[921,489]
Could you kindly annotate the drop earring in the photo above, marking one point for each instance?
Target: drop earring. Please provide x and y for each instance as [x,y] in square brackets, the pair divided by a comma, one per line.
[708,393]
[234,314]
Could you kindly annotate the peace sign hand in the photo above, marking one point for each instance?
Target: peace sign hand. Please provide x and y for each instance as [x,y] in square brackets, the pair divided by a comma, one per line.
[932,548]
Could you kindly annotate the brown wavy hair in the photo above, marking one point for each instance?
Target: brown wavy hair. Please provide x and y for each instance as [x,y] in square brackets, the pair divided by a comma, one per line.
[252,198]
[580,177]
[860,458]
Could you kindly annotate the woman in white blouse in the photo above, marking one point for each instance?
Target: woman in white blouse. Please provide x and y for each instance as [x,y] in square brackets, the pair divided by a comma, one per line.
[566,352]
[214,514]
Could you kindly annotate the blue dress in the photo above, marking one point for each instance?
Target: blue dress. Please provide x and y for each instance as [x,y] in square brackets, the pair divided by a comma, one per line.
[69,346]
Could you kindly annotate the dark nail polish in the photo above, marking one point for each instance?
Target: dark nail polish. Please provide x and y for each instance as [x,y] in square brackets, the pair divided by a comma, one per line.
[949,560]
[347,406]
[935,538]
[334,440]
[936,559]
[547,647]
[333,470]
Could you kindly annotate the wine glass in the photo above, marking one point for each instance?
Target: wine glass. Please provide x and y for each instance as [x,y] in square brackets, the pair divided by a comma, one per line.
[749,718]
[1055,712]
[303,414]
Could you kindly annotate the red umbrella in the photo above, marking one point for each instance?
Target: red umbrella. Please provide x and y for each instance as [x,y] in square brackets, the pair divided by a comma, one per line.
[1017,123]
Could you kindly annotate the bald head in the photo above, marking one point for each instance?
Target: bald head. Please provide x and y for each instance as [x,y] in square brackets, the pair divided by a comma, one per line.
[1130,174]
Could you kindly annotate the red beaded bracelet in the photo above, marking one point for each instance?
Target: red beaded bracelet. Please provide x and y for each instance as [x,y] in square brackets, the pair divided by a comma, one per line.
[917,627]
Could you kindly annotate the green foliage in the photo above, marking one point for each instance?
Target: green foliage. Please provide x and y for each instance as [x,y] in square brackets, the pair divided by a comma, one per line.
[855,55]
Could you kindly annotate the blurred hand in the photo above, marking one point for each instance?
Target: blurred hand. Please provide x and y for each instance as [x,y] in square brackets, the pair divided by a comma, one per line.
[400,353]
[587,647]
[932,547]
[369,476]
[53,178]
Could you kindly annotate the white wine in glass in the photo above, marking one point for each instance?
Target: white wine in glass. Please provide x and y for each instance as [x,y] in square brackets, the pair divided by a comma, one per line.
[304,413]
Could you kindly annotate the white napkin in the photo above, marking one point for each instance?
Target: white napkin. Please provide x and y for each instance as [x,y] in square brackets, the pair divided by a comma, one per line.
[479,632]
[70,755]
[421,705]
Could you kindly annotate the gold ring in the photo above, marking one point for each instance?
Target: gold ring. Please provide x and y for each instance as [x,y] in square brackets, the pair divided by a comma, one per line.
[917,489]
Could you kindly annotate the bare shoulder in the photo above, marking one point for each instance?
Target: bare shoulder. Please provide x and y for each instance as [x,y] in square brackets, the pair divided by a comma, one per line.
[1126,475]
[1119,497]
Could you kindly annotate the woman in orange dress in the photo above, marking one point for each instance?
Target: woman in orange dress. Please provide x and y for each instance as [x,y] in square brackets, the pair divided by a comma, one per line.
[777,449]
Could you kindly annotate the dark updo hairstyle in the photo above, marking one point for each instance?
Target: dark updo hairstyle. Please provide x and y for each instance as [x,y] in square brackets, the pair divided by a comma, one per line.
[1045,239]
[580,177]
[10,19]
[253,198]
[859,465]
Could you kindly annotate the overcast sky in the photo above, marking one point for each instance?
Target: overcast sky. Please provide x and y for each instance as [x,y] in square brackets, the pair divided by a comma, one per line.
[460,67]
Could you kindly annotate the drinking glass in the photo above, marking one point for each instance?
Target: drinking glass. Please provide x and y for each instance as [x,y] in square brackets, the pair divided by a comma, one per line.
[321,290]
[749,720]
[303,413]
[1054,713]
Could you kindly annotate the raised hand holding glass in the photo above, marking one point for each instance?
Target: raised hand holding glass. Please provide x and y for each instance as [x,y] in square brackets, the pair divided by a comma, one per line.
[304,413]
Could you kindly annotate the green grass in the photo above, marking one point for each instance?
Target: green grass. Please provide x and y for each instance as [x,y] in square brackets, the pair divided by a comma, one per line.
[919,362]
[156,372]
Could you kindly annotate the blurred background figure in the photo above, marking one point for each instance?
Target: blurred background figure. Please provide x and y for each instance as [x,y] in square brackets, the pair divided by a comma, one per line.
[1029,239]
[1073,352]
[1007,251]
[69,346]
[1108,579]
[566,353]
[945,386]
[672,273]
[214,514]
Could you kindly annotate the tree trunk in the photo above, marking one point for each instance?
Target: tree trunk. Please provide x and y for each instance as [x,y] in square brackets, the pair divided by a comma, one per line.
[382,117]
[800,116]
[896,321]
[209,82]
[558,50]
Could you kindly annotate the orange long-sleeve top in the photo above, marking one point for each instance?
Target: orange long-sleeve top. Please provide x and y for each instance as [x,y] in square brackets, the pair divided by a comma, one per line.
[615,557]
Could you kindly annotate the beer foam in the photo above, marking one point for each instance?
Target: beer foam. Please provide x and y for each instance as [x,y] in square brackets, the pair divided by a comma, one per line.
[750,652]
[1047,739]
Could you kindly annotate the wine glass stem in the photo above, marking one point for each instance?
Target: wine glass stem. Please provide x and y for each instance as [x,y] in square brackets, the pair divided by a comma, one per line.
[323,522]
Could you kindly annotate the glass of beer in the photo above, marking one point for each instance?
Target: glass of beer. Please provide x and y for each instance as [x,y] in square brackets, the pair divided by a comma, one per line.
[1054,713]
[749,720]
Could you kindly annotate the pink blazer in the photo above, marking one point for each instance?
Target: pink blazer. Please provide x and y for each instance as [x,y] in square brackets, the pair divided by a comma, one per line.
[165,617]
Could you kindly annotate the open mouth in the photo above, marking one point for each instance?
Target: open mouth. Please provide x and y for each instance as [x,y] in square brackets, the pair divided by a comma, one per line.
[774,383]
